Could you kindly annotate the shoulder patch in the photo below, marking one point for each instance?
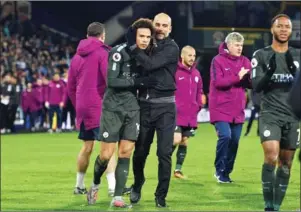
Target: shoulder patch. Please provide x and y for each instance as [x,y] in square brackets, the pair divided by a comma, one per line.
[296,64]
[254,62]
[116,57]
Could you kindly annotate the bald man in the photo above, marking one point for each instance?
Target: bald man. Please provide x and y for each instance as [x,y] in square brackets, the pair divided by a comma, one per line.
[189,102]
[157,107]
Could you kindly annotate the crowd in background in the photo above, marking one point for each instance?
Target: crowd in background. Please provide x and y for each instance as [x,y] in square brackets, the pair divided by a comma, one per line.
[32,59]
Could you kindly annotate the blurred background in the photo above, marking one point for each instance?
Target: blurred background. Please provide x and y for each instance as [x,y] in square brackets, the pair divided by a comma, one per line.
[38,39]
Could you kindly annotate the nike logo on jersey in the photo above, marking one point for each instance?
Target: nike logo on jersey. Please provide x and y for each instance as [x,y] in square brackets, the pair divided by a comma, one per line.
[181,78]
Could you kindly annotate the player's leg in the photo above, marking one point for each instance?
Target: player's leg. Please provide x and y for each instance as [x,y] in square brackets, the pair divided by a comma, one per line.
[59,112]
[142,148]
[270,134]
[289,144]
[32,120]
[181,154]
[129,135]
[83,158]
[165,125]
[177,137]
[50,117]
[109,135]
[224,135]
[107,149]
[250,121]
[176,141]
[64,117]
[182,151]
[110,174]
[232,148]
[122,169]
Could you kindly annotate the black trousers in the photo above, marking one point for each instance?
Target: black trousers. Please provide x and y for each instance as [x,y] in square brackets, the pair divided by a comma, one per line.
[12,110]
[69,108]
[160,117]
[3,116]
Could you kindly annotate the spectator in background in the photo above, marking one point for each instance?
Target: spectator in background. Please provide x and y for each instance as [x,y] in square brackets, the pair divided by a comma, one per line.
[55,101]
[28,106]
[68,107]
[38,101]
[15,102]
[44,122]
[6,93]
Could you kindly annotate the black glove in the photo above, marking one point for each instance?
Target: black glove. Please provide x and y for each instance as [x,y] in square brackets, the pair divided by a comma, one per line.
[131,37]
[271,68]
[145,82]
[290,63]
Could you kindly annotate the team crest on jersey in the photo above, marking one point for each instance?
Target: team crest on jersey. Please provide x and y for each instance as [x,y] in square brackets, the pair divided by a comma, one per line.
[196,79]
[254,62]
[296,64]
[58,86]
[105,134]
[267,133]
[116,57]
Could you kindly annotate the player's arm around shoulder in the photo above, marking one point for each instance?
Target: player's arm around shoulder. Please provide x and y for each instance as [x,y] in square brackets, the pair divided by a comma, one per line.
[167,54]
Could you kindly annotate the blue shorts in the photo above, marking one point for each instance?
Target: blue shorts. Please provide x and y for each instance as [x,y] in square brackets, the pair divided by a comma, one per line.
[88,135]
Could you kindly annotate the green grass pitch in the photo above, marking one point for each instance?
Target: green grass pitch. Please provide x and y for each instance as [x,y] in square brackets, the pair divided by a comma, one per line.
[38,173]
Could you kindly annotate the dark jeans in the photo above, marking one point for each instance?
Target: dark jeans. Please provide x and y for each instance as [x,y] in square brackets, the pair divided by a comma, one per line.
[227,145]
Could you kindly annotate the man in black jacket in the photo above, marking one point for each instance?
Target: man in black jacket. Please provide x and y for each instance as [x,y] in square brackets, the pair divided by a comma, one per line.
[157,108]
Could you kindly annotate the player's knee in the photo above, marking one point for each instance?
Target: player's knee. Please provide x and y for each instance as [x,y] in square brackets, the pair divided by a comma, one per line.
[88,147]
[184,141]
[126,151]
[285,163]
[177,139]
[106,154]
[271,158]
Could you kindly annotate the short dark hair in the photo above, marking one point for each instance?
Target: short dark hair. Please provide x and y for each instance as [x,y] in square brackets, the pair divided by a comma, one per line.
[279,16]
[95,29]
[144,23]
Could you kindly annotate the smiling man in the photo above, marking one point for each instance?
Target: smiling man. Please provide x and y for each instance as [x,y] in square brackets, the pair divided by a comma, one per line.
[274,70]
[120,120]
